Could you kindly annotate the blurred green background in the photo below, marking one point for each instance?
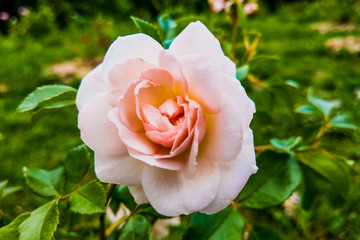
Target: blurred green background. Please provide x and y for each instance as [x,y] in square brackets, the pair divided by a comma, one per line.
[315,43]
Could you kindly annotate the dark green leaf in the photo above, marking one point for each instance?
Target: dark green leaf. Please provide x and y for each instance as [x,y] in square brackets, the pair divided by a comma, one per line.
[61,234]
[10,190]
[77,163]
[226,224]
[331,169]
[262,231]
[42,223]
[277,178]
[47,97]
[122,195]
[2,187]
[242,72]
[307,109]
[89,199]
[342,121]
[285,144]
[10,231]
[45,183]
[137,228]
[147,28]
[148,210]
[325,106]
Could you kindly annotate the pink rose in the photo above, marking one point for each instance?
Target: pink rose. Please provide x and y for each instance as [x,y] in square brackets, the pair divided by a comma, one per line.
[171,124]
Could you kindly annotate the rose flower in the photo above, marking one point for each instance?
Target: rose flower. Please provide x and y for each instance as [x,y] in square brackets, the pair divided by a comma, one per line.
[171,124]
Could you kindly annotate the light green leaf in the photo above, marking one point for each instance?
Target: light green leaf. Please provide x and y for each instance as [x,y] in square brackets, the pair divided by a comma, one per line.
[137,228]
[286,144]
[2,187]
[277,178]
[147,28]
[89,199]
[325,106]
[48,97]
[77,163]
[242,72]
[307,109]
[10,190]
[45,183]
[331,169]
[10,231]
[226,224]
[342,121]
[262,231]
[42,222]
[292,83]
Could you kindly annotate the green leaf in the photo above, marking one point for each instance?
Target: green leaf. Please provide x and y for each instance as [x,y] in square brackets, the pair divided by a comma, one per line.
[137,228]
[10,231]
[277,178]
[226,224]
[307,109]
[42,222]
[2,187]
[325,106]
[342,121]
[331,169]
[11,190]
[148,210]
[292,83]
[89,199]
[61,234]
[286,144]
[122,195]
[45,183]
[262,231]
[147,28]
[242,72]
[77,163]
[48,97]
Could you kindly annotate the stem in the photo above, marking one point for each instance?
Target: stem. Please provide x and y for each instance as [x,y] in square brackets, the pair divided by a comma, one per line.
[116,224]
[235,23]
[321,132]
[110,190]
[263,148]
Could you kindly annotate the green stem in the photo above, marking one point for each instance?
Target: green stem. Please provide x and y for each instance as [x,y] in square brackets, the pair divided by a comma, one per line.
[110,190]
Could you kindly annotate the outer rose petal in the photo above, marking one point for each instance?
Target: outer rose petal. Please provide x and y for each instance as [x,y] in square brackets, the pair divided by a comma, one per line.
[197,39]
[138,194]
[129,47]
[123,170]
[172,194]
[97,131]
[91,85]
[230,67]
[234,175]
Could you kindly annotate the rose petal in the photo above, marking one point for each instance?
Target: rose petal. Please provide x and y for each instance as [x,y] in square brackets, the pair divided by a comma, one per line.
[131,46]
[91,85]
[138,194]
[171,194]
[197,39]
[230,67]
[234,176]
[205,84]
[123,170]
[97,131]
[135,140]
[160,77]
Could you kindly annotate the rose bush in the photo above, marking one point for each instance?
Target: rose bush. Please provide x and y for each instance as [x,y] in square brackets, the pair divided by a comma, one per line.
[171,124]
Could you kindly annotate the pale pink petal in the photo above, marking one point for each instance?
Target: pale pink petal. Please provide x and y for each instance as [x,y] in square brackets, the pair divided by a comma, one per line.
[234,176]
[224,134]
[148,92]
[121,74]
[169,62]
[174,163]
[230,67]
[123,170]
[160,77]
[91,85]
[205,83]
[129,47]
[152,116]
[172,194]
[166,139]
[135,140]
[138,194]
[97,131]
[197,39]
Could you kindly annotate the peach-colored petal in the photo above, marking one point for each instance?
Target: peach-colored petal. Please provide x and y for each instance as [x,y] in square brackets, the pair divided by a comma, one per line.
[129,47]
[122,74]
[135,140]
[138,194]
[197,39]
[97,131]
[172,194]
[123,170]
[160,77]
[153,117]
[205,84]
[234,175]
[169,62]
[166,139]
[91,85]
